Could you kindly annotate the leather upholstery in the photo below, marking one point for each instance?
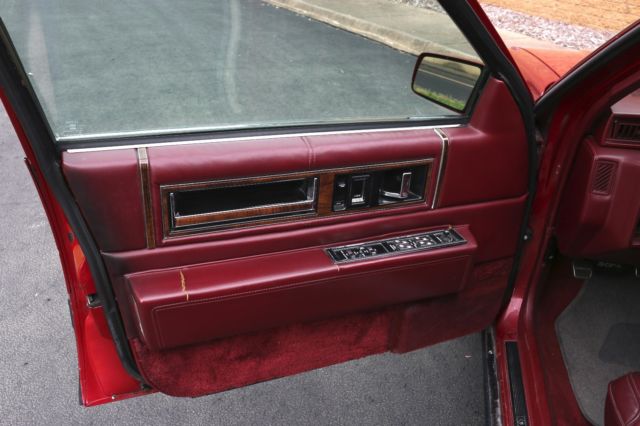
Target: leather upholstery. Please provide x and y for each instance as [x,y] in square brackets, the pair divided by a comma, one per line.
[257,293]
[233,159]
[488,159]
[107,188]
[622,407]
[237,361]
[495,229]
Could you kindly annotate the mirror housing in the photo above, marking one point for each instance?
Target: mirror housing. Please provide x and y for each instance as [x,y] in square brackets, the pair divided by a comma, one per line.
[446,80]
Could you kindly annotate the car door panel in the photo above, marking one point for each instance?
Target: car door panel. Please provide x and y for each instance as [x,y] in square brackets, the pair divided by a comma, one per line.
[221,306]
[116,217]
[245,359]
[115,176]
[200,303]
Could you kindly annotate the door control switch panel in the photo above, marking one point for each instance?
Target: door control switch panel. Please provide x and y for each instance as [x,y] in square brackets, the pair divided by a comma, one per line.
[377,188]
[394,246]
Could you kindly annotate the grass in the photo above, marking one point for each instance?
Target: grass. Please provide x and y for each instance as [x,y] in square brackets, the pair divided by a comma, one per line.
[442,98]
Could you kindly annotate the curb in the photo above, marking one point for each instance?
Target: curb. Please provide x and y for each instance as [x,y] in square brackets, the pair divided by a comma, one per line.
[396,39]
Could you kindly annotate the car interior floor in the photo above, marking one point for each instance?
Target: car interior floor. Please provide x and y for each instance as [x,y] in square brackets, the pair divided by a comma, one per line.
[599,335]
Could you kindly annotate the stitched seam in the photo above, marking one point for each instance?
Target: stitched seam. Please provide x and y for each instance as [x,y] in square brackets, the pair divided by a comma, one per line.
[157,310]
[313,152]
[309,151]
[290,286]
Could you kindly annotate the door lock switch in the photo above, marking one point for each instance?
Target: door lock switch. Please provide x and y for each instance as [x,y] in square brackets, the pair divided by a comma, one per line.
[340,194]
[359,189]
[396,246]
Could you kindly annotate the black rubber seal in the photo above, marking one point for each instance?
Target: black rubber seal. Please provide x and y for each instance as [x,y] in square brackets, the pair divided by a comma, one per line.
[518,401]
[491,388]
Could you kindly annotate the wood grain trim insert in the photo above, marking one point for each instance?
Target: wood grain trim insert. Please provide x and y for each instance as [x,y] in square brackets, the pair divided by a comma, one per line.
[145,186]
[261,211]
[260,215]
[253,212]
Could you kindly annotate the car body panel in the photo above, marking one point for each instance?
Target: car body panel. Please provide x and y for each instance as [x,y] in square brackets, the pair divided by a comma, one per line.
[542,67]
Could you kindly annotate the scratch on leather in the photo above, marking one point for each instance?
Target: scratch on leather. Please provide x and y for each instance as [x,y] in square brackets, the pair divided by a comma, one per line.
[183,286]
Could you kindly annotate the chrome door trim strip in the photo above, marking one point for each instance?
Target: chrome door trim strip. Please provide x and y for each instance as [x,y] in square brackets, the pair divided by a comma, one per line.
[443,160]
[253,138]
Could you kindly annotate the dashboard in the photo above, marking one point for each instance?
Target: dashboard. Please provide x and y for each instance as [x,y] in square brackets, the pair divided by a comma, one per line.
[599,216]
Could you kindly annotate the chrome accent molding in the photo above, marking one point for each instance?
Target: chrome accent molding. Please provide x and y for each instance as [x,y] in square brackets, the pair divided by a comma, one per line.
[253,138]
[443,162]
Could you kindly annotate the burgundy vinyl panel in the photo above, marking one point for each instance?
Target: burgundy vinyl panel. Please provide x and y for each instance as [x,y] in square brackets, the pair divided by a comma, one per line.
[106,186]
[494,225]
[596,223]
[195,304]
[233,159]
[487,160]
[245,359]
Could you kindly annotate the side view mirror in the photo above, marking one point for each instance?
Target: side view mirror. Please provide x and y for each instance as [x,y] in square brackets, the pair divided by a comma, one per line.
[445,80]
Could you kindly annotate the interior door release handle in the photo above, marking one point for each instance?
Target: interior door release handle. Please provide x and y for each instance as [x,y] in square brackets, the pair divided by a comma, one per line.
[405,186]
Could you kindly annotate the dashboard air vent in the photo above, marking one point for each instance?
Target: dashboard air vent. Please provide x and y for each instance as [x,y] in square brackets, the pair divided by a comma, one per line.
[625,131]
[603,177]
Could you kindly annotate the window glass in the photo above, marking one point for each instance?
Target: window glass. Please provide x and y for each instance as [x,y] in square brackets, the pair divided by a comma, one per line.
[115,68]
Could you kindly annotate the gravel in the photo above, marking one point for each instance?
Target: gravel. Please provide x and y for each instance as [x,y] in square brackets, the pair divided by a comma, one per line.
[557,32]
[560,33]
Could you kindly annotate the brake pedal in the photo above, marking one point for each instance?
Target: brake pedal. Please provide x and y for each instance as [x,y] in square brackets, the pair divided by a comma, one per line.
[582,269]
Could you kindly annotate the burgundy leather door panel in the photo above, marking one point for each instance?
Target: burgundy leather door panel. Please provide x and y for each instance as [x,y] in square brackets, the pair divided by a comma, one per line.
[204,302]
[116,217]
[222,300]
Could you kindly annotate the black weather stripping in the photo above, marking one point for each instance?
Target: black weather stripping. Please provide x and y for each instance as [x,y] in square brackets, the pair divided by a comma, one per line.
[518,402]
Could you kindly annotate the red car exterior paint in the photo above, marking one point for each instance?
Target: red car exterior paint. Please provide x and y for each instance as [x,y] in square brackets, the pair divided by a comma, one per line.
[101,375]
[540,68]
